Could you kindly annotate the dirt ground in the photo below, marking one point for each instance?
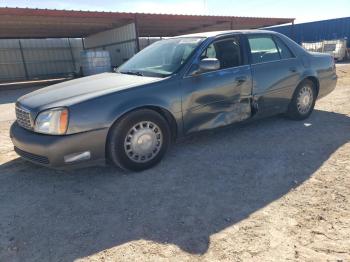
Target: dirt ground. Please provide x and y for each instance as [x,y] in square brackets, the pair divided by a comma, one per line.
[270,190]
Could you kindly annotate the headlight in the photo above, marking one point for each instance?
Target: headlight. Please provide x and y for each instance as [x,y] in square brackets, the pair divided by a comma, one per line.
[53,121]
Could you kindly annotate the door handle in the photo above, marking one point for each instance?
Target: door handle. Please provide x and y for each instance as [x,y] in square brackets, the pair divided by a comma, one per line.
[293,69]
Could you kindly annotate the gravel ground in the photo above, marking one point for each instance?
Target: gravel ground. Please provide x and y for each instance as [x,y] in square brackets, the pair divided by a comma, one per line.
[270,190]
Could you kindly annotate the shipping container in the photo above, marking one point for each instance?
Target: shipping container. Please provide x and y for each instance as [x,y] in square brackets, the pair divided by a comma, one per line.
[317,31]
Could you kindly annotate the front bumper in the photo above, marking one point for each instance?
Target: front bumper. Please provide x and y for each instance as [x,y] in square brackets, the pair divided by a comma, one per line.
[48,150]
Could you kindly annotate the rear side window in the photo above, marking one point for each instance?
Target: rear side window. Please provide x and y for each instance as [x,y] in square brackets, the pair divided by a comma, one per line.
[263,49]
[283,49]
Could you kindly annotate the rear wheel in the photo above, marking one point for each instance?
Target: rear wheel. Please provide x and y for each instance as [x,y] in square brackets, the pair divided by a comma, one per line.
[303,101]
[139,140]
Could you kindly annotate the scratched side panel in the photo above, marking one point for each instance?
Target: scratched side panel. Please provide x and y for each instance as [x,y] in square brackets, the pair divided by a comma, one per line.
[218,115]
[274,84]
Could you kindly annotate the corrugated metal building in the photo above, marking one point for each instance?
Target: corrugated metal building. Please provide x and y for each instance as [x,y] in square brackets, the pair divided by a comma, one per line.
[317,31]
[122,34]
[121,43]
[46,23]
[22,59]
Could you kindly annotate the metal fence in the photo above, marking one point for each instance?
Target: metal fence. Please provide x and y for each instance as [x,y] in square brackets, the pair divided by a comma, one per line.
[32,59]
[29,59]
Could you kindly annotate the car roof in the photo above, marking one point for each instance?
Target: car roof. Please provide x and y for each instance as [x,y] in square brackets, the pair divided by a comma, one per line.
[228,32]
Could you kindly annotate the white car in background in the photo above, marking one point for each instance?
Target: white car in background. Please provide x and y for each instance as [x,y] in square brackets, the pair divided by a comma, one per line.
[336,48]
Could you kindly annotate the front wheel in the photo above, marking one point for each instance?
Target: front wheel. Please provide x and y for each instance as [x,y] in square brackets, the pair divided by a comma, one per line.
[139,140]
[303,101]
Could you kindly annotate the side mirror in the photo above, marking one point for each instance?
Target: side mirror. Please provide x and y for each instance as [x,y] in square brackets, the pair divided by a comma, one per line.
[208,64]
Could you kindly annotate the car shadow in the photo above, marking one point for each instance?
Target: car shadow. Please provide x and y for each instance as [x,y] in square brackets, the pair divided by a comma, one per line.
[207,183]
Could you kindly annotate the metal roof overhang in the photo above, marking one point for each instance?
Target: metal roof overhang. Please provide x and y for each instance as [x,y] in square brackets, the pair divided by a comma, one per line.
[45,23]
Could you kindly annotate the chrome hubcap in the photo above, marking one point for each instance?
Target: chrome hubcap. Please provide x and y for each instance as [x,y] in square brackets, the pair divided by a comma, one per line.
[305,100]
[143,141]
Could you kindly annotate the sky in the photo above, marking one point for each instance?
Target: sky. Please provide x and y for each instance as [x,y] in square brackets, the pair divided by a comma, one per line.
[302,10]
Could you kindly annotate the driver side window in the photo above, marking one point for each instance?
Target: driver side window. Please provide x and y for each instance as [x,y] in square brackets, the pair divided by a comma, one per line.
[227,51]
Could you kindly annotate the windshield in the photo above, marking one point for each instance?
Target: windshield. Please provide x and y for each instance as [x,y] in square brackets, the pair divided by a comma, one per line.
[162,58]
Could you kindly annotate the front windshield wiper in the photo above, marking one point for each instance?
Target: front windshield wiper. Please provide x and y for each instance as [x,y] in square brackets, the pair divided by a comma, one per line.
[139,73]
[135,73]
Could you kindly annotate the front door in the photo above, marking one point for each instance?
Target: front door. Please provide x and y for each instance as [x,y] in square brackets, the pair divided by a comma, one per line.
[221,97]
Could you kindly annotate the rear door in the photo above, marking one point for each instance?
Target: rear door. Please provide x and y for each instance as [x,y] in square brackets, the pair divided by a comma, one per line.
[276,73]
[221,97]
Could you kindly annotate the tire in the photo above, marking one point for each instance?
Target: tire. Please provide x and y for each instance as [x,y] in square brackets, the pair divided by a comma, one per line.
[300,106]
[139,140]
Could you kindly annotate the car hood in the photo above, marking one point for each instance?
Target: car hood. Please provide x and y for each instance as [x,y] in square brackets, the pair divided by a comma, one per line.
[78,90]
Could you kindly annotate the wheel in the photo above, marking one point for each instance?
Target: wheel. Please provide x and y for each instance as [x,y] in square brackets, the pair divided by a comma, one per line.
[139,140]
[303,101]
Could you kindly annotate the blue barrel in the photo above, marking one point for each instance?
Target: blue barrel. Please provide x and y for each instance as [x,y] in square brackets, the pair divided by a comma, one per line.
[95,62]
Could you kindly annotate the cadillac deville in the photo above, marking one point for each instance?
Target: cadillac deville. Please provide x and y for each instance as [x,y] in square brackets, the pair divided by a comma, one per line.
[172,88]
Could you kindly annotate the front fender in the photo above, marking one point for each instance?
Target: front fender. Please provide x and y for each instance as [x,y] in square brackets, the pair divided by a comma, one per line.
[102,112]
[148,102]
